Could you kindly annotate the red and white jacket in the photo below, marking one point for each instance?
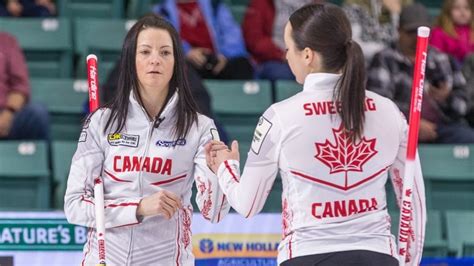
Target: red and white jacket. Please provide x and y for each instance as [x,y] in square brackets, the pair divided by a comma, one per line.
[135,163]
[333,189]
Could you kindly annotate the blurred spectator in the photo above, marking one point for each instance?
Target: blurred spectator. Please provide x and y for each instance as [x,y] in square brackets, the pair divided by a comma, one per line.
[263,28]
[445,100]
[374,23]
[18,118]
[454,29]
[27,8]
[212,39]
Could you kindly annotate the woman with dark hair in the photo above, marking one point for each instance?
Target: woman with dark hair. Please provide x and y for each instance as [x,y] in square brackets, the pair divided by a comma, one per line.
[334,144]
[148,147]
[453,32]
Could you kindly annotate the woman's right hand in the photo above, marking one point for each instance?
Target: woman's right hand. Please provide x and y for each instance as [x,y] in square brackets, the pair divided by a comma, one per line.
[162,202]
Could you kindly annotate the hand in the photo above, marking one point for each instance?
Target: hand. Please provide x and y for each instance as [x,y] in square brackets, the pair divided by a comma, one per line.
[15,8]
[441,93]
[217,153]
[198,56]
[211,152]
[6,121]
[162,202]
[394,6]
[221,63]
[427,131]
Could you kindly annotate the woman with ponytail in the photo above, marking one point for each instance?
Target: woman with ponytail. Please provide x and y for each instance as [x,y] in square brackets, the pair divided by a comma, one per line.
[334,144]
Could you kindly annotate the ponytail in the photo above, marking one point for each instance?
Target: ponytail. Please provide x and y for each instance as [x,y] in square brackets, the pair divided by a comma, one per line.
[351,91]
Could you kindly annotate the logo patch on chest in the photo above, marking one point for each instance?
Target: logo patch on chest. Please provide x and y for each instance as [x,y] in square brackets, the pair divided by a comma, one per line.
[121,139]
[170,143]
[342,156]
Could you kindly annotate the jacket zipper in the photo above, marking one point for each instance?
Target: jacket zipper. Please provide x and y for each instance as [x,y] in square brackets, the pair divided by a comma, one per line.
[150,133]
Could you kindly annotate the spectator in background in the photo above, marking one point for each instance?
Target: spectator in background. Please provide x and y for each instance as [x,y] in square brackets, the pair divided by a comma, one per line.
[263,28]
[27,8]
[18,118]
[374,23]
[445,100]
[454,29]
[212,39]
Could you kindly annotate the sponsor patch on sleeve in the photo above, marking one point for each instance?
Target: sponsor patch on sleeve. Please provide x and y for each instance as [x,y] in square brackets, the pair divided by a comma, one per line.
[170,143]
[261,131]
[83,136]
[215,134]
[121,139]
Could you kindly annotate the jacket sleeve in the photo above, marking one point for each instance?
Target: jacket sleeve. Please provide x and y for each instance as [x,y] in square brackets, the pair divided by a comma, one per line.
[258,41]
[87,164]
[437,39]
[229,35]
[210,198]
[417,224]
[247,193]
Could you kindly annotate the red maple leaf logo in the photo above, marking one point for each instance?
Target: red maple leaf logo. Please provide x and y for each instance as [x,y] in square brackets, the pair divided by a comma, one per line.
[345,156]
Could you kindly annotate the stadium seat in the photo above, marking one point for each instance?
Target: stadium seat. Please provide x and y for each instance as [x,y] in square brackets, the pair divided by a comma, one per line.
[238,106]
[46,43]
[138,8]
[24,175]
[460,232]
[431,3]
[62,152]
[91,8]
[237,2]
[434,12]
[286,88]
[448,171]
[468,249]
[238,12]
[239,97]
[103,37]
[435,244]
[64,99]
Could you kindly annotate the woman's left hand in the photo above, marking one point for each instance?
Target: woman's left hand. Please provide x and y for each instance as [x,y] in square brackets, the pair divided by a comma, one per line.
[221,63]
[217,152]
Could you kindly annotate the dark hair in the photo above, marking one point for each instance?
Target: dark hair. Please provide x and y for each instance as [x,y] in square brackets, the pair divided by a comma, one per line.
[186,110]
[325,29]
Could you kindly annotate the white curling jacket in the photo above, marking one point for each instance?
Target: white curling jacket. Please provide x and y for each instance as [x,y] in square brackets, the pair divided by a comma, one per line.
[135,163]
[333,190]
